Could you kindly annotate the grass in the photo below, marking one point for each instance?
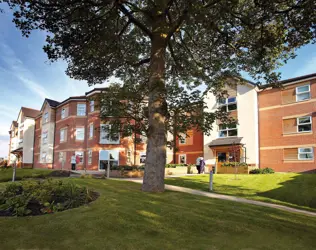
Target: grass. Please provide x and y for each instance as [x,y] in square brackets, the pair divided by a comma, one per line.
[295,190]
[6,174]
[123,217]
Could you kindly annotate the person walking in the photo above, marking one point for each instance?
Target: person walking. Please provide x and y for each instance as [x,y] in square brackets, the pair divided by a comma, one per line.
[202,165]
[73,162]
[198,164]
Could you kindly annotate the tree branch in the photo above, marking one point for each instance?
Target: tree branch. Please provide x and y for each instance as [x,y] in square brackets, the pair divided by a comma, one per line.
[141,62]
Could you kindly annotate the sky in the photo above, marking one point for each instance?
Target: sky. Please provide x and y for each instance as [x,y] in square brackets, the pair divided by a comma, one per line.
[27,77]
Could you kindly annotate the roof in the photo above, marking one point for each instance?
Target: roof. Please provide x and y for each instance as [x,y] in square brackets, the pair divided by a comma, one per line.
[52,103]
[83,97]
[15,124]
[225,141]
[95,90]
[290,80]
[30,112]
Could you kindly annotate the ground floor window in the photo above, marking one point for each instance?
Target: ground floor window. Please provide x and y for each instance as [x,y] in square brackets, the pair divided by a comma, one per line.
[43,157]
[108,157]
[142,158]
[305,153]
[182,159]
[61,156]
[79,157]
[89,156]
[128,156]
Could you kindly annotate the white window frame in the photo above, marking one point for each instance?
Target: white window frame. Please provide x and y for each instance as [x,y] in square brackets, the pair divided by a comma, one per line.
[183,140]
[304,92]
[63,113]
[81,109]
[185,159]
[109,152]
[305,123]
[82,133]
[45,117]
[43,157]
[45,137]
[91,131]
[81,153]
[60,156]
[105,140]
[227,103]
[62,132]
[91,106]
[300,153]
[89,156]
[128,156]
[226,130]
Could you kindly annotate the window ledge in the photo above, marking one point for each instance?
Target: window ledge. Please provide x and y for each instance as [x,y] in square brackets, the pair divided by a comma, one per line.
[298,161]
[298,133]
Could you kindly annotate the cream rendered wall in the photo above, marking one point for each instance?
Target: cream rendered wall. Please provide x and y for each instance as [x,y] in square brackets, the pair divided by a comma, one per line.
[50,127]
[248,121]
[28,140]
[247,127]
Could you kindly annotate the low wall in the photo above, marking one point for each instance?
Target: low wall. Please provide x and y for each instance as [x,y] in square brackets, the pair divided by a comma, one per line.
[232,170]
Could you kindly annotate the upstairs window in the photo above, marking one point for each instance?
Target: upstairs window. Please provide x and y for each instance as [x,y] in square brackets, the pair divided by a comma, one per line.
[44,137]
[227,130]
[63,135]
[183,139]
[63,113]
[81,109]
[305,153]
[89,156]
[227,104]
[91,106]
[303,93]
[304,124]
[91,131]
[79,134]
[104,135]
[46,117]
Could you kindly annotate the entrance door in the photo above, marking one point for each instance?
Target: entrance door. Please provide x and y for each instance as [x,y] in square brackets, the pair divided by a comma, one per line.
[221,157]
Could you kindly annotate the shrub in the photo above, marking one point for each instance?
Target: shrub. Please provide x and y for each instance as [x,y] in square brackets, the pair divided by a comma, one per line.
[40,197]
[176,165]
[262,171]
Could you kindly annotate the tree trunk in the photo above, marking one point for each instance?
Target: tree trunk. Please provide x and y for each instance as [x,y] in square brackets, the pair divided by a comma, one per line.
[157,107]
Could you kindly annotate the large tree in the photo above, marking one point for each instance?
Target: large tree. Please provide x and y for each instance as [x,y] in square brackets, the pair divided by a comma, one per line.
[160,43]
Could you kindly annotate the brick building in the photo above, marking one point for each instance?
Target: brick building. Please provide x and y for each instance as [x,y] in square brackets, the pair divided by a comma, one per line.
[274,128]
[286,125]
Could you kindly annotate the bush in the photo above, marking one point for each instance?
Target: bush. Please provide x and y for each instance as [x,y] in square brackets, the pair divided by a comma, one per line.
[127,168]
[41,197]
[232,164]
[262,171]
[176,165]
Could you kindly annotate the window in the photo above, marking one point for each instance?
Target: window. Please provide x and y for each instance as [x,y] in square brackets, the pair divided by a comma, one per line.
[142,157]
[44,137]
[303,93]
[182,159]
[183,139]
[108,157]
[104,135]
[128,156]
[304,124]
[81,109]
[61,156]
[63,135]
[89,156]
[43,157]
[305,153]
[79,155]
[46,117]
[91,131]
[63,113]
[227,104]
[91,106]
[79,134]
[227,130]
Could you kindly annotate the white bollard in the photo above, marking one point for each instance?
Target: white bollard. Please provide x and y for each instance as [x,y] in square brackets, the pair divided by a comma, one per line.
[211,180]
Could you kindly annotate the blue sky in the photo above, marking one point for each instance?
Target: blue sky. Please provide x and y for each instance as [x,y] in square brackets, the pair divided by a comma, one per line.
[26,76]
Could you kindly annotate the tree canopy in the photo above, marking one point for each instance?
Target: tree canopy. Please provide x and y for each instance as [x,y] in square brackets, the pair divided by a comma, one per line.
[167,49]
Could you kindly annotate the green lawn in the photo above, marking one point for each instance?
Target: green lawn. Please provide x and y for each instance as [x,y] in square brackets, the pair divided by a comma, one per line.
[296,190]
[6,174]
[125,218]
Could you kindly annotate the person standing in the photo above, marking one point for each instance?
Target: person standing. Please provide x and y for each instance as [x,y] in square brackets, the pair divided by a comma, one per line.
[198,164]
[202,165]
[73,162]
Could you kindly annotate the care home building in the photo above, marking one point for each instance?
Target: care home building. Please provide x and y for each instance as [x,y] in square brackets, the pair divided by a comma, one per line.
[274,128]
[287,131]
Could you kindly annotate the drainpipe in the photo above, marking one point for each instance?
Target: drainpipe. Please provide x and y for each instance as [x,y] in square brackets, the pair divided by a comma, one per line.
[245,150]
[33,143]
[54,139]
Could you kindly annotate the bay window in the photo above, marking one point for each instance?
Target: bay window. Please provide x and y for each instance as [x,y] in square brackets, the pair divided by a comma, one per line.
[105,137]
[81,109]
[79,134]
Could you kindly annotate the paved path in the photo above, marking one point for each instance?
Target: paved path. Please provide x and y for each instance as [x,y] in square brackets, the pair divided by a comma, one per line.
[230,198]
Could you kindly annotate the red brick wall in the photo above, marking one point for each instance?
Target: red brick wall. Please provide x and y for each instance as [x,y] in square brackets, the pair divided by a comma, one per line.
[37,143]
[271,135]
[192,150]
